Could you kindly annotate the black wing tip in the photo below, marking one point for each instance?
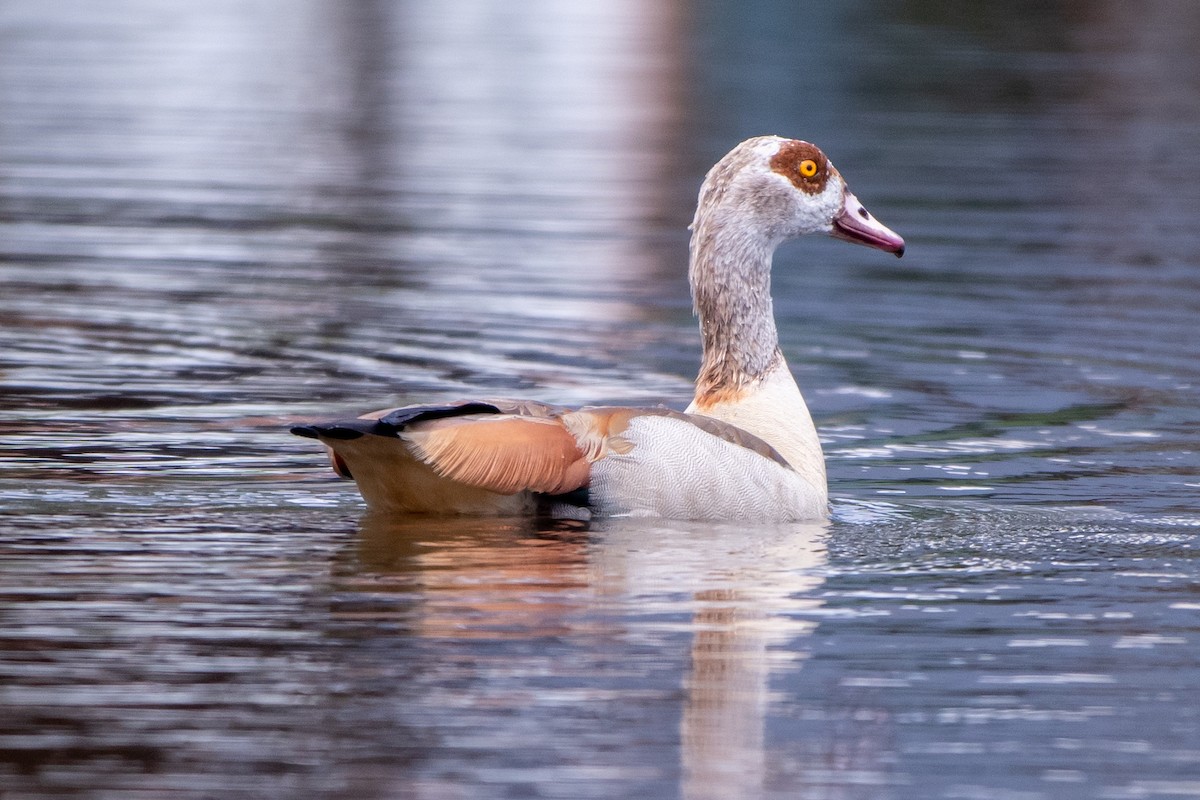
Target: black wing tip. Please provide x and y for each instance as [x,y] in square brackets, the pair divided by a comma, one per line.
[406,416]
[390,424]
[331,431]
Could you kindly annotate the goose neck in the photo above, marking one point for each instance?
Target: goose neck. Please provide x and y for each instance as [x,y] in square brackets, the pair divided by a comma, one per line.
[730,274]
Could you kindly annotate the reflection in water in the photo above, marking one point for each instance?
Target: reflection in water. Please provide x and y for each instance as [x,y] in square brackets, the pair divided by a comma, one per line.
[464,573]
[486,584]
[748,595]
[737,624]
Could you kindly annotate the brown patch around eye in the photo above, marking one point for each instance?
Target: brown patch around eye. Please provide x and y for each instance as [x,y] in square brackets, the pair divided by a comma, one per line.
[790,163]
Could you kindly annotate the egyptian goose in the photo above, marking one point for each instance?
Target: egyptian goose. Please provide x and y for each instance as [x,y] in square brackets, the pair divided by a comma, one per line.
[746,447]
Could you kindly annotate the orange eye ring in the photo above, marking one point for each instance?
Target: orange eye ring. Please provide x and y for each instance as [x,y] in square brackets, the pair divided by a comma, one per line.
[808,168]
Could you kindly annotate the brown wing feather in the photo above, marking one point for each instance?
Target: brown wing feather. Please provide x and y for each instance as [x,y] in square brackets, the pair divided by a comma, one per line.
[501,453]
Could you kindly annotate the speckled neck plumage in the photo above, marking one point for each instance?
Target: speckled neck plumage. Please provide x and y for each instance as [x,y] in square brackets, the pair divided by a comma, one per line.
[734,235]
[765,191]
[730,274]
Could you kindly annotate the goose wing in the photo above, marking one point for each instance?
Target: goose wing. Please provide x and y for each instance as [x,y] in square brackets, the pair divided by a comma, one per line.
[502,446]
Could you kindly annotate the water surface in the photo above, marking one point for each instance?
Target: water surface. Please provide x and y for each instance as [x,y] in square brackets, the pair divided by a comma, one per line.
[216,221]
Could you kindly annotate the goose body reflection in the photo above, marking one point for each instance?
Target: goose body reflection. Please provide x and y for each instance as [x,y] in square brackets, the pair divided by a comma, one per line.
[705,621]
[746,448]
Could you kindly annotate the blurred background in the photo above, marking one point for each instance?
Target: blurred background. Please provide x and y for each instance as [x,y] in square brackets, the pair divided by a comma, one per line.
[218,219]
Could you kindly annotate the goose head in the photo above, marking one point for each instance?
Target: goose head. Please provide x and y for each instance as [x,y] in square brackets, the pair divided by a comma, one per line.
[765,191]
[773,189]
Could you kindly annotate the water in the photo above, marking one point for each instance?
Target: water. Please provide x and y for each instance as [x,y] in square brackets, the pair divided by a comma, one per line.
[218,220]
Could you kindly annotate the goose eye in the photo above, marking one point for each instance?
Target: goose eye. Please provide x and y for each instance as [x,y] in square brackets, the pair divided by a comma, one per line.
[808,168]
